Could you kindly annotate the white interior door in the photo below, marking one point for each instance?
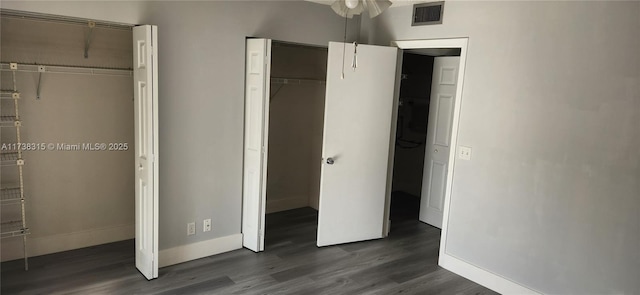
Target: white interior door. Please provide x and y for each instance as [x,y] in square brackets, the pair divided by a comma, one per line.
[438,143]
[357,128]
[256,127]
[145,77]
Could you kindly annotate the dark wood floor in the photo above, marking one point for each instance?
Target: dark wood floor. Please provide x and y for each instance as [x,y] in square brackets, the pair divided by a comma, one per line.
[403,263]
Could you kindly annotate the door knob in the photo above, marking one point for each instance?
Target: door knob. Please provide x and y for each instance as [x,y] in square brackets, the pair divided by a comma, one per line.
[330,161]
[435,151]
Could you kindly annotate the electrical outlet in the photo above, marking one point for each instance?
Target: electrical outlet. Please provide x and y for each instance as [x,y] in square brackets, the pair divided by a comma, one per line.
[191,228]
[206,225]
[464,152]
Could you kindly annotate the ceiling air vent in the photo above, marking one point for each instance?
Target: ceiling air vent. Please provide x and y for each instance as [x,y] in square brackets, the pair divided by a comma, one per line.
[427,13]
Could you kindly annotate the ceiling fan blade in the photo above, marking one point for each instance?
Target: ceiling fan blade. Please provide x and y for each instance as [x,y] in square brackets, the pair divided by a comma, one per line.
[376,7]
[341,9]
[358,10]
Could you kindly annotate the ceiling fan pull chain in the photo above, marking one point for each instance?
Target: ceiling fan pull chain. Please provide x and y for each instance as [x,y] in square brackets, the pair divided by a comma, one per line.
[354,63]
[344,46]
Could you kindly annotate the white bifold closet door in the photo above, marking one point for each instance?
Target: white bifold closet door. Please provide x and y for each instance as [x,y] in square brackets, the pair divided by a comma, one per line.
[256,129]
[357,133]
[145,76]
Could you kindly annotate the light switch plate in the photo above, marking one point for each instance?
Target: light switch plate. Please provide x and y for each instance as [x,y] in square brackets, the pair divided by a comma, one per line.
[464,152]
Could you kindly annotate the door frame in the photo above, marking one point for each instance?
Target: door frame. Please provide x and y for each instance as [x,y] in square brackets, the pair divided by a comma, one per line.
[446,260]
[448,43]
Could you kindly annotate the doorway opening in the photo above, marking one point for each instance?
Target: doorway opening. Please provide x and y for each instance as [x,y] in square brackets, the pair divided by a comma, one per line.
[411,134]
[445,139]
[423,128]
[294,146]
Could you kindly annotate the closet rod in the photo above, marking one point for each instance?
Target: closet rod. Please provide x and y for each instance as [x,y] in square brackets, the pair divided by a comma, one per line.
[9,13]
[60,69]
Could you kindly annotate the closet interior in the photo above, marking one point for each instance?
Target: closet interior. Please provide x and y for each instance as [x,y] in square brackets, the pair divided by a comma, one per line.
[296,118]
[75,87]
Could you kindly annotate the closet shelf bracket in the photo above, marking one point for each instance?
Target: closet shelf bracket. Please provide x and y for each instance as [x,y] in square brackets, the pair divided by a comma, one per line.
[87,39]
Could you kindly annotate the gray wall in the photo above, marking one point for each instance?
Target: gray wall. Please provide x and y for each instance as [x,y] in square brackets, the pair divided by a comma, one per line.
[551,107]
[201,86]
[296,116]
[202,102]
[74,198]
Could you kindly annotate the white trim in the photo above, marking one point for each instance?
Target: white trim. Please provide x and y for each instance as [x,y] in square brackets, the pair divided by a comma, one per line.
[392,144]
[68,241]
[482,276]
[156,146]
[198,250]
[461,267]
[433,43]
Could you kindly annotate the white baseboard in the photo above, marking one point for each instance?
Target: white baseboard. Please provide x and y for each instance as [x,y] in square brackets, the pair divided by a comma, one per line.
[483,277]
[276,205]
[198,250]
[36,246]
